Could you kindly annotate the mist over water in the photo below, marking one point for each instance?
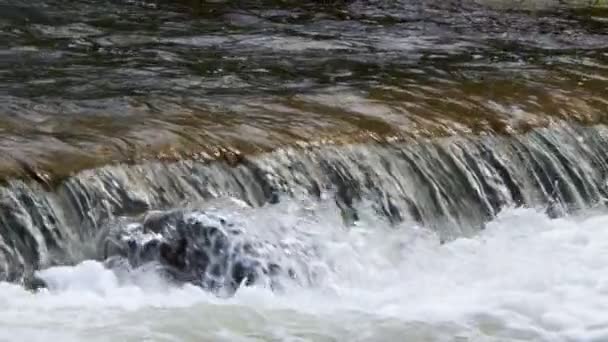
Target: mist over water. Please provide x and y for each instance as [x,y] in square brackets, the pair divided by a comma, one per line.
[524,278]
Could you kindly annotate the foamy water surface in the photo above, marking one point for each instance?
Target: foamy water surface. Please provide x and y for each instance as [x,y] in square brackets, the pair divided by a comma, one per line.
[524,278]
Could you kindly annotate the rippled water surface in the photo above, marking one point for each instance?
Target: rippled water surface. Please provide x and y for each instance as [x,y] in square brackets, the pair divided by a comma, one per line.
[87,82]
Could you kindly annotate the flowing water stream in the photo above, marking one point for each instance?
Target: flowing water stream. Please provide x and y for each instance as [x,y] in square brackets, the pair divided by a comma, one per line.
[393,170]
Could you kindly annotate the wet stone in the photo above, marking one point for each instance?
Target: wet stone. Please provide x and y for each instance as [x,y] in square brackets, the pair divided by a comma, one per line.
[197,247]
[34,283]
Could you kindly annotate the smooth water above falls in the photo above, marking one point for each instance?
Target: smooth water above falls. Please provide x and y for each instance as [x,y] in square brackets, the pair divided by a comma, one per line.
[88,82]
[409,170]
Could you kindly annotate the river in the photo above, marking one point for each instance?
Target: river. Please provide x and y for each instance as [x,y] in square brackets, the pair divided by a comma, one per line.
[418,170]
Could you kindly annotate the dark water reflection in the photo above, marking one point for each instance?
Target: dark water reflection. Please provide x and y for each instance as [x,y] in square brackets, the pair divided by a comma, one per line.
[86,82]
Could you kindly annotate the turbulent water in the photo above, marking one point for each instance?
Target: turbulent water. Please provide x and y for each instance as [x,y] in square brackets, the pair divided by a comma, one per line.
[524,278]
[303,171]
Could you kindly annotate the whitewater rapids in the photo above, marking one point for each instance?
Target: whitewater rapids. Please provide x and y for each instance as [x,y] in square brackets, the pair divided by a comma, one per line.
[526,277]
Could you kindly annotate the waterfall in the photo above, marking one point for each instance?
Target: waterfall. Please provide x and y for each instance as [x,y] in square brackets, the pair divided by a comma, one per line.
[453,185]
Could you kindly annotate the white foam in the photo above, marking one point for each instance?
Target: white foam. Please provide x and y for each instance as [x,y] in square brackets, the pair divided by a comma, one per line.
[524,278]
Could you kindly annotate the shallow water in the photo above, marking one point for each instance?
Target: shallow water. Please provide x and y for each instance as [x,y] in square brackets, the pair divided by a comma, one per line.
[89,82]
[524,278]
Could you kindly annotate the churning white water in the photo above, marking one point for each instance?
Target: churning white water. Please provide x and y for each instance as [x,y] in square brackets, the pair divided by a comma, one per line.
[524,278]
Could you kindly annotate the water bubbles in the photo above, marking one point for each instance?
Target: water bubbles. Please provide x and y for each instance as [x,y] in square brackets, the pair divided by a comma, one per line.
[526,277]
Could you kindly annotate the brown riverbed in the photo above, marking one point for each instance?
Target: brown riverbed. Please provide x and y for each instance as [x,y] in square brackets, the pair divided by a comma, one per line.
[87,83]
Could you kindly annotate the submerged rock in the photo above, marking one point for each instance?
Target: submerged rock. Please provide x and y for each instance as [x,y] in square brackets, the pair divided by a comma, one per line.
[34,283]
[199,248]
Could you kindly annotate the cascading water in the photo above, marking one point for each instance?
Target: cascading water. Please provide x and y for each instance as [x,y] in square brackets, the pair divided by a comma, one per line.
[295,171]
[525,277]
[452,186]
